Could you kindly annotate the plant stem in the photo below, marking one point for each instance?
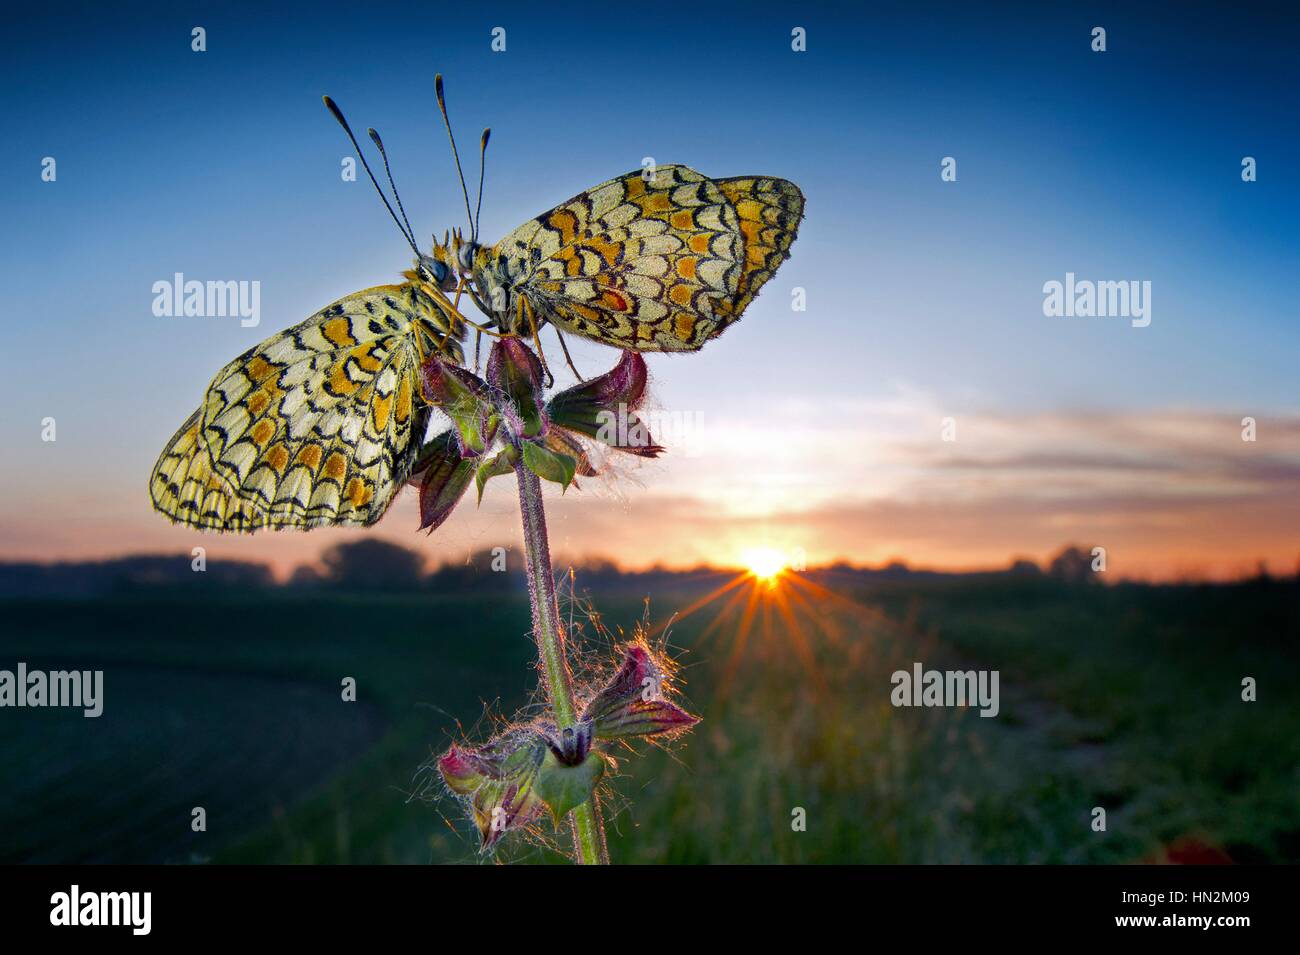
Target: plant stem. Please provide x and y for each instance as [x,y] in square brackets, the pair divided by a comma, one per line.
[588,831]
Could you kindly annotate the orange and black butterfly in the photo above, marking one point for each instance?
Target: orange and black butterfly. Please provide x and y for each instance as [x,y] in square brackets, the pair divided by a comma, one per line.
[656,260]
[659,259]
[322,423]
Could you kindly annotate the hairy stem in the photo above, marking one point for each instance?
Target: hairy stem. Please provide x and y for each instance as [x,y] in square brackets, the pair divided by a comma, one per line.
[588,831]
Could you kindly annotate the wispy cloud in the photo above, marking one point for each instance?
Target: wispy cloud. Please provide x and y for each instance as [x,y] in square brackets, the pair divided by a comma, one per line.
[1168,493]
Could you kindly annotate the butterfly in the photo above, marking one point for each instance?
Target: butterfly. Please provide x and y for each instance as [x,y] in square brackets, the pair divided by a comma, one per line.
[321,423]
[658,260]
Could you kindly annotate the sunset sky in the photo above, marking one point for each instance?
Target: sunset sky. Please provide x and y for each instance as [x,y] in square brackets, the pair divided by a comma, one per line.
[820,430]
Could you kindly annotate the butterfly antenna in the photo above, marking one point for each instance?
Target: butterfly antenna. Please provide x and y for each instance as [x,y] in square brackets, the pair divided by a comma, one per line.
[442,106]
[338,115]
[374,135]
[482,170]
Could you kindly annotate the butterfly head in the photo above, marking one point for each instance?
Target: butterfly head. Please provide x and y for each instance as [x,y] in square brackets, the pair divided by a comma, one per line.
[440,266]
[464,255]
[471,263]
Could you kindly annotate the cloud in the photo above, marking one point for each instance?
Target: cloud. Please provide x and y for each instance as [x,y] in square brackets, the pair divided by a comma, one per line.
[1168,493]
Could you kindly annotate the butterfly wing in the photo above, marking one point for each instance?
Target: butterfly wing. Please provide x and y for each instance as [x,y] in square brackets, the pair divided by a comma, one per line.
[317,425]
[769,211]
[663,265]
[183,487]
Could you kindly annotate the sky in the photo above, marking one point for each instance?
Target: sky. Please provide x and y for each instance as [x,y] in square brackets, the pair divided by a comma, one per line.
[820,431]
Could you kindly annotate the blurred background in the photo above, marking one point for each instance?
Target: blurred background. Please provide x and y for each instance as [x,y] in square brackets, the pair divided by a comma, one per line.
[917,466]
[222,690]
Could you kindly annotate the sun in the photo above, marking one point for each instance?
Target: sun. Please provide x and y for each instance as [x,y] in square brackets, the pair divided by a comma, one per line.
[764,563]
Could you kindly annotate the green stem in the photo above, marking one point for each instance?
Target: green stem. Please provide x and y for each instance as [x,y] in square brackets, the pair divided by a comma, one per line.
[588,831]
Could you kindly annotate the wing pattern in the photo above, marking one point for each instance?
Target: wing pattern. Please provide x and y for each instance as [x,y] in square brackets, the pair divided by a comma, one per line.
[663,265]
[317,425]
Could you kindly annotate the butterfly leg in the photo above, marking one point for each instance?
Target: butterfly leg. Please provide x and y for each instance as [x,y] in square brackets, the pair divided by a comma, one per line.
[451,325]
[478,332]
[526,309]
[437,295]
[567,357]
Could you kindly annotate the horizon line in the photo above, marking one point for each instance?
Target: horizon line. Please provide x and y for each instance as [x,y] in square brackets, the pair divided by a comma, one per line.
[1261,567]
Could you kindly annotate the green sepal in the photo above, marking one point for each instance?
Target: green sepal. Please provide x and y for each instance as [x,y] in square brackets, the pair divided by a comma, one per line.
[503,462]
[550,465]
[565,788]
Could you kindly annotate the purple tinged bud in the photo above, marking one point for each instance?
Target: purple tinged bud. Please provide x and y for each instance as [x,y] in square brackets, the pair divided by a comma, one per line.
[446,476]
[463,770]
[623,384]
[465,398]
[498,782]
[605,408]
[644,718]
[515,372]
[446,383]
[633,704]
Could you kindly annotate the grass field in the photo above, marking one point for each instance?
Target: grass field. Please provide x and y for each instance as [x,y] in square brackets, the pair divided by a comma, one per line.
[1124,697]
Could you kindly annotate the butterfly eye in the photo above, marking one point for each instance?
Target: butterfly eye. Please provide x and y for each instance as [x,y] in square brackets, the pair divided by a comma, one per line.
[466,255]
[438,271]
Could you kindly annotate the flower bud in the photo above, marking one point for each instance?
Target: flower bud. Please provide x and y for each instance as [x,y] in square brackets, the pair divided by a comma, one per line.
[446,476]
[605,408]
[516,373]
[498,782]
[632,703]
[464,398]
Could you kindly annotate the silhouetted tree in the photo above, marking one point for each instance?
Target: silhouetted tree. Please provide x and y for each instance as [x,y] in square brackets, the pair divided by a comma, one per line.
[895,570]
[371,564]
[137,572]
[1024,567]
[1073,565]
[305,575]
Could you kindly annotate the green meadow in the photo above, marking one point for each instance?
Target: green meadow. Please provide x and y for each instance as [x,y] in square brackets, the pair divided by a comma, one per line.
[1123,697]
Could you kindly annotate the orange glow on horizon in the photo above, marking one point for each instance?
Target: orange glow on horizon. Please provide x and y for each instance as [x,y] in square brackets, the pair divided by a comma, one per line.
[765,564]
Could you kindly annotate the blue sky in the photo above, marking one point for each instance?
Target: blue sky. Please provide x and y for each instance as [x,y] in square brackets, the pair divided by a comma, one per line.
[224,165]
